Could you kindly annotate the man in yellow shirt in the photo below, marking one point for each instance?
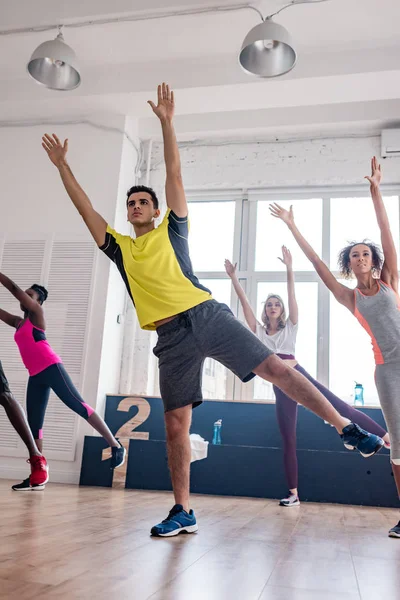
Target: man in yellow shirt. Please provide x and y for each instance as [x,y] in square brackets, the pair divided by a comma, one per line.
[157,271]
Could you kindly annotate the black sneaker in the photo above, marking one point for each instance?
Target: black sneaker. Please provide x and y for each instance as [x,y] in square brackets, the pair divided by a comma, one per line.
[355,438]
[117,456]
[25,486]
[395,531]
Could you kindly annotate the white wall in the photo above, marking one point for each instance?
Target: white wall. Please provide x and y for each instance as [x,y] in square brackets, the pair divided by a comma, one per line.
[33,200]
[313,162]
[117,297]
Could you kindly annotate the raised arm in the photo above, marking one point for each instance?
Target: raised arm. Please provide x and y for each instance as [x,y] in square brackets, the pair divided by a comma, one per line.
[293,306]
[247,310]
[174,190]
[57,153]
[343,294]
[27,302]
[9,319]
[390,268]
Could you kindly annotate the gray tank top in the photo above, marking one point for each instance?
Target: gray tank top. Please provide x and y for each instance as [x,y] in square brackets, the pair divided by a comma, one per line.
[380,317]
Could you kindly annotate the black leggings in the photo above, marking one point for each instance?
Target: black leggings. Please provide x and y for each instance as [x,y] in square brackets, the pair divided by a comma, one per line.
[57,379]
[286,413]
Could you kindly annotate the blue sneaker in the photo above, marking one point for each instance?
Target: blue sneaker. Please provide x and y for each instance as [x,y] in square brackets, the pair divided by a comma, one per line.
[355,438]
[178,521]
[395,531]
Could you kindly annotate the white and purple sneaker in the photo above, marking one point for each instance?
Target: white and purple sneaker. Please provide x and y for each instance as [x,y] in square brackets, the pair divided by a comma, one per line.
[291,500]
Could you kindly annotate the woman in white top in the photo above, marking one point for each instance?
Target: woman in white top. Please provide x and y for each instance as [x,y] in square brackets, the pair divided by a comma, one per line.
[278,333]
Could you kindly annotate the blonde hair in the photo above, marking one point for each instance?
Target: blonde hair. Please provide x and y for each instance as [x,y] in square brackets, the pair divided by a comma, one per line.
[282,317]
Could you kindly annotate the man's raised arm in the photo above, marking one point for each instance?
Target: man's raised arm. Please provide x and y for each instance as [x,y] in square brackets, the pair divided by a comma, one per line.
[57,153]
[174,191]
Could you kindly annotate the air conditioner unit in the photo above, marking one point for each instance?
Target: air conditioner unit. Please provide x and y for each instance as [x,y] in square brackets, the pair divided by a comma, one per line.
[390,141]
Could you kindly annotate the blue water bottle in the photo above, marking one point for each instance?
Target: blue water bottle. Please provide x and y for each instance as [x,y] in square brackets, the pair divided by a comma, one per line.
[217,432]
[358,394]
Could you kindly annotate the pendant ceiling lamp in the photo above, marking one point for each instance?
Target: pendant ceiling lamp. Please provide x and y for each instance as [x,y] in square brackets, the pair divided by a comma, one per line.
[54,65]
[268,49]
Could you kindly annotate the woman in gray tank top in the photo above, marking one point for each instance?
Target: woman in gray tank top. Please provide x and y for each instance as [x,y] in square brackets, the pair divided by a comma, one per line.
[375,302]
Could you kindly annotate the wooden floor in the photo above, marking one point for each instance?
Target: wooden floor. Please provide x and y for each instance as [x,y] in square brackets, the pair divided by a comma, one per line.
[70,542]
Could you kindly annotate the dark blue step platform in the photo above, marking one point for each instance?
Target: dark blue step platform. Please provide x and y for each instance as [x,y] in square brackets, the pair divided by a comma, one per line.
[249,462]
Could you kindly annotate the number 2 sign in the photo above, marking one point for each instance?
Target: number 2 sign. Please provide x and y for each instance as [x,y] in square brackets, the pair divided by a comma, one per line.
[126,433]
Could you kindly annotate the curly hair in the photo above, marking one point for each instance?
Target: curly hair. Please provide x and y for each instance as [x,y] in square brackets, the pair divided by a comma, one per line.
[282,318]
[344,259]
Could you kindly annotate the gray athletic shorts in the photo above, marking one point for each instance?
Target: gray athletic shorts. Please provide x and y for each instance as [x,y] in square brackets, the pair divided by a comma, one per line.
[4,387]
[209,330]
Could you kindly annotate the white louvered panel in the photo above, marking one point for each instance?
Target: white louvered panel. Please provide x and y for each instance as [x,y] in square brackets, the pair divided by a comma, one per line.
[9,439]
[59,428]
[56,321]
[70,279]
[22,261]
[9,354]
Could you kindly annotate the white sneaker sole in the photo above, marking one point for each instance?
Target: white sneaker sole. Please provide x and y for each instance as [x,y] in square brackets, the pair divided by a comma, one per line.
[38,488]
[393,534]
[379,447]
[297,503]
[188,529]
[123,460]
[35,488]
[349,447]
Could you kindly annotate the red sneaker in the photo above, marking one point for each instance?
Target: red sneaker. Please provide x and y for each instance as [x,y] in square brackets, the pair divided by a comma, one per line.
[39,470]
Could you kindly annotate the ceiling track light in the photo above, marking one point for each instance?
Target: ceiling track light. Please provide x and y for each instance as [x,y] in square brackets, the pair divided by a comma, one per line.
[268,49]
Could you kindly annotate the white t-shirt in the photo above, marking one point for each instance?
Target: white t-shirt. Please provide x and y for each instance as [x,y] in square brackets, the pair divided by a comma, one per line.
[283,341]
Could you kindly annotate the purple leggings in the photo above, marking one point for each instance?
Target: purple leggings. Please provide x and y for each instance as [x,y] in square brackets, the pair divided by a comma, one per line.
[286,413]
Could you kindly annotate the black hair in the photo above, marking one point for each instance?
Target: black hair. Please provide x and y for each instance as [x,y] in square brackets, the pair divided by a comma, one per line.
[143,188]
[344,258]
[41,292]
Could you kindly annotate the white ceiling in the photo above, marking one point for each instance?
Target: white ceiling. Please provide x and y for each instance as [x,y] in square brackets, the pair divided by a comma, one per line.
[348,68]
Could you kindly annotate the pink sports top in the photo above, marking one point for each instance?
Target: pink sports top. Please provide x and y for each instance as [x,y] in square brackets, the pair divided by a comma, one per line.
[36,352]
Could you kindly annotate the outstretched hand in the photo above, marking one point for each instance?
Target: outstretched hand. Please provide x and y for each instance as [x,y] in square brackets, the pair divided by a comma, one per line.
[286,257]
[281,213]
[230,268]
[376,173]
[165,108]
[56,151]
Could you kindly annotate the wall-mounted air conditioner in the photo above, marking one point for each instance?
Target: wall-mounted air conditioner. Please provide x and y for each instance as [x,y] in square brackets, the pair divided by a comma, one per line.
[390,140]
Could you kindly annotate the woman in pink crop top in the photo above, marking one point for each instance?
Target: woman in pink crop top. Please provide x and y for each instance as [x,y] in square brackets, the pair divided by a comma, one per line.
[278,333]
[46,371]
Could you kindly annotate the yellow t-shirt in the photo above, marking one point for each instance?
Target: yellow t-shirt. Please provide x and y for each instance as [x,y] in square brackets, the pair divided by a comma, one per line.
[157,270]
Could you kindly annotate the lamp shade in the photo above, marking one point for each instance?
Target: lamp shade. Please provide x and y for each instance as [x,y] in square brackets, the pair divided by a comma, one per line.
[268,50]
[54,65]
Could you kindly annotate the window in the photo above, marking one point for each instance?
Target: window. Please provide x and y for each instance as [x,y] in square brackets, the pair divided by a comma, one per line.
[212,226]
[351,357]
[209,367]
[273,233]
[353,219]
[215,375]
